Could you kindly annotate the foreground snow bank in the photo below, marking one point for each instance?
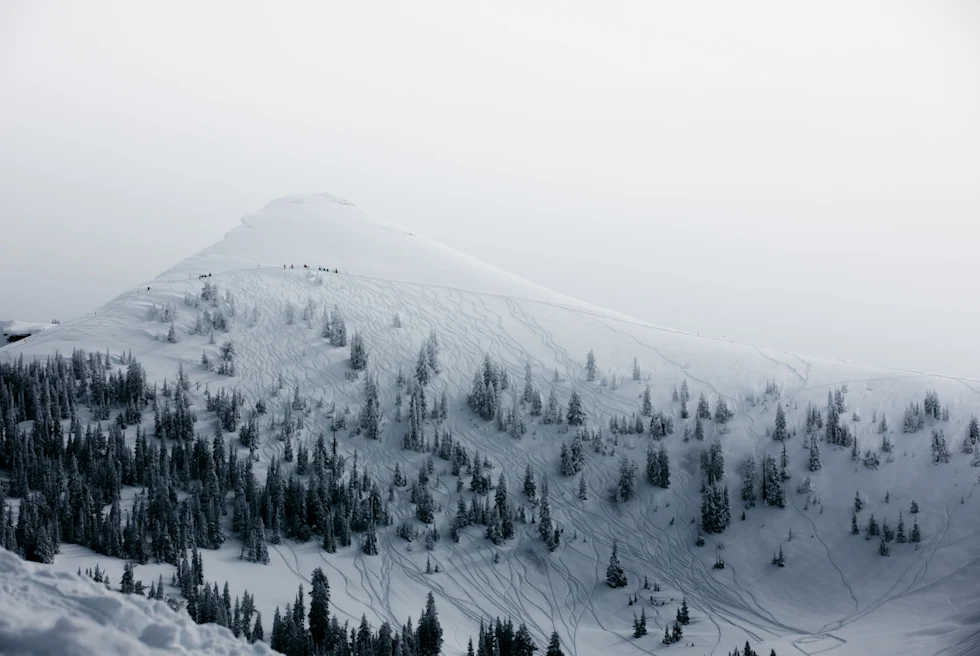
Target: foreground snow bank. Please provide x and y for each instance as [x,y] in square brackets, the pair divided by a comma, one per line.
[22,328]
[48,612]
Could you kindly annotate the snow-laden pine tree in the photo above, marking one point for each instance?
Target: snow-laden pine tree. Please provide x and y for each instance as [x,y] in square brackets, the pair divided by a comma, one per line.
[528,396]
[554,646]
[370,419]
[814,455]
[626,487]
[432,352]
[916,535]
[683,613]
[748,481]
[940,451]
[591,372]
[576,413]
[772,486]
[715,509]
[653,465]
[723,414]
[530,487]
[358,353]
[779,430]
[615,575]
[338,328]
[636,370]
[423,373]
[647,407]
[704,410]
[545,527]
[973,431]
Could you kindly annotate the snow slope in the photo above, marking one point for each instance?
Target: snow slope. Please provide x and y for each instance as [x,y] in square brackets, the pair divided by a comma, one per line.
[836,592]
[44,611]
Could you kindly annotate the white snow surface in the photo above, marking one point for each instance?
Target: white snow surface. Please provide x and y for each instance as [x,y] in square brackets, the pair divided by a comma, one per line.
[45,611]
[836,595]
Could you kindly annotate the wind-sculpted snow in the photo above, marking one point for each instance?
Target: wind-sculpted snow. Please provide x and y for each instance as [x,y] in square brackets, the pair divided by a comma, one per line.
[47,612]
[836,594]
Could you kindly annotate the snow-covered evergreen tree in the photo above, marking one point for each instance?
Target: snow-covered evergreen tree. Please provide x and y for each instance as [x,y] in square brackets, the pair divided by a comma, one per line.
[704,410]
[626,487]
[591,371]
[528,395]
[779,432]
[814,455]
[423,373]
[615,574]
[358,352]
[576,413]
[647,407]
[748,481]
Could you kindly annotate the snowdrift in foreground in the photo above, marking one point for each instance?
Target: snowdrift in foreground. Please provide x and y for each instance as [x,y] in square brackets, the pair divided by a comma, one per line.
[19,329]
[43,611]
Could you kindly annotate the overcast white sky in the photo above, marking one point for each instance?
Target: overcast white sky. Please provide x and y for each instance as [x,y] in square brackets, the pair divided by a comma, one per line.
[798,175]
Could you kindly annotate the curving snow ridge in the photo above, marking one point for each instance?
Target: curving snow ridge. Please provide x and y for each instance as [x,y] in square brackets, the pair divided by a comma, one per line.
[43,611]
[324,230]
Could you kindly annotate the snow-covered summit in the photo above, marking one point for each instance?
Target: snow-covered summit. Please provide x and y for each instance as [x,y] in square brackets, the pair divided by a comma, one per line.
[322,230]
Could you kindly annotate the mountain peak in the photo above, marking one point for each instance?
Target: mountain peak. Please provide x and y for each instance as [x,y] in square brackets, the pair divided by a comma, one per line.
[320,230]
[299,199]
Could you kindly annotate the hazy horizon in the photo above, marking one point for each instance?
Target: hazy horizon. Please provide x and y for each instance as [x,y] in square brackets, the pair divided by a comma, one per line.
[806,178]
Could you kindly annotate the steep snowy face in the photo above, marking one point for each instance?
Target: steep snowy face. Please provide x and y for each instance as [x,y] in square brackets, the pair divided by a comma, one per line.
[321,230]
[43,611]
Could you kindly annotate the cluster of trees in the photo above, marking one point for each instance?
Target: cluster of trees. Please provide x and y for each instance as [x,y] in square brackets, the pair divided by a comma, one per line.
[573,457]
[334,328]
[215,314]
[298,632]
[715,503]
[488,382]
[773,493]
[358,352]
[940,451]
[484,398]
[715,509]
[658,466]
[499,638]
[834,431]
[884,531]
[748,651]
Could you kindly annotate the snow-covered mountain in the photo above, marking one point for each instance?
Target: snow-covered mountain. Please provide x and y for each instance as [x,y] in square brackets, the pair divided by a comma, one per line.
[300,256]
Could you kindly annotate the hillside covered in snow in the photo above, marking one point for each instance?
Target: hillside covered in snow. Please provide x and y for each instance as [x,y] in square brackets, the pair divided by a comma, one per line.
[380,403]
